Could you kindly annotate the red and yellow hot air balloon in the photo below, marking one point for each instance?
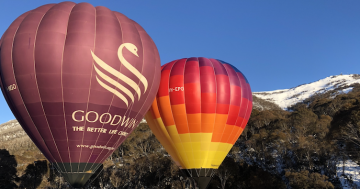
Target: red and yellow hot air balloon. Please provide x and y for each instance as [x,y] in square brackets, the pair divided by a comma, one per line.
[79,79]
[201,108]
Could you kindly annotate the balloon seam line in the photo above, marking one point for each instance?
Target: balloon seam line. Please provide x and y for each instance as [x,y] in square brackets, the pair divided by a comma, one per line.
[97,166]
[201,133]
[247,106]
[237,119]
[230,100]
[42,106]
[184,159]
[187,120]
[38,90]
[229,105]
[7,97]
[216,104]
[117,142]
[38,87]
[89,92]
[179,156]
[62,88]
[138,85]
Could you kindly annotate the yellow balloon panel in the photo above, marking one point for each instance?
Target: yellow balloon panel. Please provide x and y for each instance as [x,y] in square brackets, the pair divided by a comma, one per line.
[189,150]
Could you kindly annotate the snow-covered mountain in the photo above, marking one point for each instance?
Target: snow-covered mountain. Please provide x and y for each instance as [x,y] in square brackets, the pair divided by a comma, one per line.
[288,97]
[11,130]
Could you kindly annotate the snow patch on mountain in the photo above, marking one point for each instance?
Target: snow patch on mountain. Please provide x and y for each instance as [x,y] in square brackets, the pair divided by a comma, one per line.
[11,130]
[9,125]
[349,174]
[288,97]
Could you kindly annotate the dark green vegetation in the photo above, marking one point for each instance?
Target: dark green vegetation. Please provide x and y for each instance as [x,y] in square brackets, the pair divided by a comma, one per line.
[278,149]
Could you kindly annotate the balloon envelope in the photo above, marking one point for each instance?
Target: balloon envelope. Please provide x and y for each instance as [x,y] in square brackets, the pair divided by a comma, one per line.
[79,79]
[201,109]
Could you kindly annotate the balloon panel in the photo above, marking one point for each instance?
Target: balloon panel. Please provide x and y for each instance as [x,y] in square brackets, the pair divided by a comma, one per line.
[79,79]
[201,109]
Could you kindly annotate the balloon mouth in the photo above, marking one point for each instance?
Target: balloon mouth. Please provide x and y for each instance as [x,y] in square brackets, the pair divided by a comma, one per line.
[77,180]
[77,174]
[201,176]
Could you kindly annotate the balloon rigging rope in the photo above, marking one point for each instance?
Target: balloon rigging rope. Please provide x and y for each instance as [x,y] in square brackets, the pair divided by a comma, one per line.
[96,176]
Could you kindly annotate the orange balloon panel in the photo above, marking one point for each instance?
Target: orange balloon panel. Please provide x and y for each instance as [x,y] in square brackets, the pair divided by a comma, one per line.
[201,109]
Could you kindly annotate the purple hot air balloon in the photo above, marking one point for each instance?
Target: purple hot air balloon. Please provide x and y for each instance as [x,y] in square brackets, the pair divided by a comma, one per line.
[79,79]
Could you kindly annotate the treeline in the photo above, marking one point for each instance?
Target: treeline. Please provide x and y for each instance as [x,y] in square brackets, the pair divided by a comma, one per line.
[303,146]
[278,149]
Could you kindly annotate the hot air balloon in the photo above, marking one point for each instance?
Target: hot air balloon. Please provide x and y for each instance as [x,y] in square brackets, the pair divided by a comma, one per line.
[79,79]
[201,108]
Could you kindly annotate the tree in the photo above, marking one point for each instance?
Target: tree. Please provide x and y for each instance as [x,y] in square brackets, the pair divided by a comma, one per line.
[227,173]
[33,175]
[8,170]
[306,180]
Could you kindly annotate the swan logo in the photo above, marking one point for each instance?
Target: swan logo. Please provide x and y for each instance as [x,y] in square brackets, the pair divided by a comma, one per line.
[117,87]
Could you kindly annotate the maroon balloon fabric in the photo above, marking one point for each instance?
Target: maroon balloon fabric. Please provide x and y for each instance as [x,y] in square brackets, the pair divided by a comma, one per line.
[65,74]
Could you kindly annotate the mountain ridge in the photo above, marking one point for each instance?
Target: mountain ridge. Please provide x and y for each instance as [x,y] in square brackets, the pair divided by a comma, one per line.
[286,98]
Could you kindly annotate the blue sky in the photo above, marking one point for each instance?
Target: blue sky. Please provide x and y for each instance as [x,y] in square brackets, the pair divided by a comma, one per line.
[277,44]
